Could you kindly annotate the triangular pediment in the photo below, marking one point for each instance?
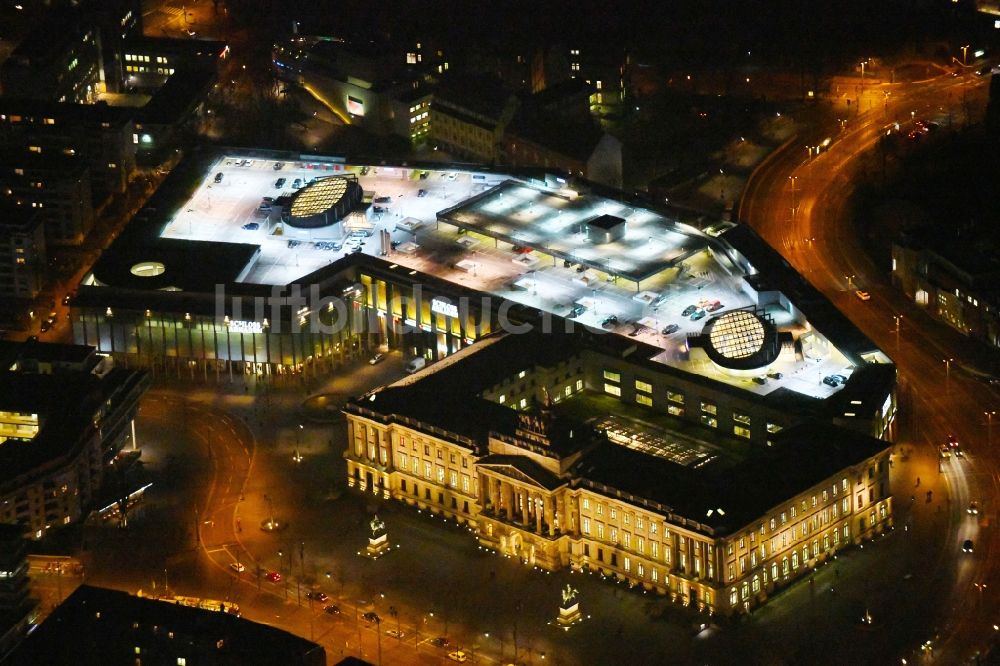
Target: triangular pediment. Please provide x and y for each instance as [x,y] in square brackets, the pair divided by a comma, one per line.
[513,473]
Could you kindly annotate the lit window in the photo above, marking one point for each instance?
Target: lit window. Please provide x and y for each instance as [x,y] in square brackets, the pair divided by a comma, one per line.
[647,401]
[645,387]
[612,376]
[613,390]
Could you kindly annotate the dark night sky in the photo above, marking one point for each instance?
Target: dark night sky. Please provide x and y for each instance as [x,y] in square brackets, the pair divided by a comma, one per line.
[669,30]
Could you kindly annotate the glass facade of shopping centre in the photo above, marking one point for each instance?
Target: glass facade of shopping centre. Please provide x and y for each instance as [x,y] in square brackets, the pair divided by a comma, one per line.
[378,311]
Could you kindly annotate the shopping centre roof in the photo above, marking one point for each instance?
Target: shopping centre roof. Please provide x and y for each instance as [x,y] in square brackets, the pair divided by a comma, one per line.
[555,222]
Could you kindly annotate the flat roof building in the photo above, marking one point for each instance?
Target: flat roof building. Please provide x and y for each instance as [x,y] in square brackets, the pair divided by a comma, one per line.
[22,252]
[97,625]
[65,412]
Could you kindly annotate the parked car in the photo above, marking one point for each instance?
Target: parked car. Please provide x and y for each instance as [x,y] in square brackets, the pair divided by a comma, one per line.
[396,633]
[273,576]
[251,226]
[423,175]
[698,314]
[831,381]
[973,508]
[364,171]
[774,374]
[760,380]
[297,183]
[280,183]
[332,609]
[371,616]
[944,452]
[689,310]
[237,567]
[377,358]
[670,328]
[459,655]
[610,321]
[577,311]
[218,177]
[421,193]
[714,305]
[278,166]
[967,546]
[317,596]
[440,642]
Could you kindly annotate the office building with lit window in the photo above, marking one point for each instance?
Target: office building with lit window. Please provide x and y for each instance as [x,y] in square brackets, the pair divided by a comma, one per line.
[103,137]
[22,252]
[951,280]
[469,116]
[65,412]
[60,60]
[56,185]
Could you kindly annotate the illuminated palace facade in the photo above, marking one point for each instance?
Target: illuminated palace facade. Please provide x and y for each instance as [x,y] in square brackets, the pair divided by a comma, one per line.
[518,438]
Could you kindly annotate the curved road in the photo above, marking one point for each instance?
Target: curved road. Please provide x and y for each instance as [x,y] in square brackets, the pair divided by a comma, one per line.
[799,203]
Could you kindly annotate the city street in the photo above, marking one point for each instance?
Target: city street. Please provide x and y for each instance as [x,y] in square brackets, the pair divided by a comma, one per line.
[798,201]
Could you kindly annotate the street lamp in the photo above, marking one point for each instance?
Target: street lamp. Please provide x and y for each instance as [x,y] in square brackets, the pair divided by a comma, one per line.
[898,318]
[965,52]
[850,281]
[989,427]
[863,63]
[947,373]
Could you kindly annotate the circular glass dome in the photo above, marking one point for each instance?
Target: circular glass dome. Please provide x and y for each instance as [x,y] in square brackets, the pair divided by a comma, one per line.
[148,269]
[737,335]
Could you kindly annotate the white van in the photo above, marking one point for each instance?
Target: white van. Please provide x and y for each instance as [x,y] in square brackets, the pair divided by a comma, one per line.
[416,364]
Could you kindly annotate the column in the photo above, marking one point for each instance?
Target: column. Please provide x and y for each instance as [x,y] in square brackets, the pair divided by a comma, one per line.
[482,493]
[550,514]
[508,499]
[523,496]
[535,501]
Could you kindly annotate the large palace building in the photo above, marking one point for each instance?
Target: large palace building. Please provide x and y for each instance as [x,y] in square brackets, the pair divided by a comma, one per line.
[609,386]
[583,479]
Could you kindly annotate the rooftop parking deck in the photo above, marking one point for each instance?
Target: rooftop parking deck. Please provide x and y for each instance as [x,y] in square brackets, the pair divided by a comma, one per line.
[517,241]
